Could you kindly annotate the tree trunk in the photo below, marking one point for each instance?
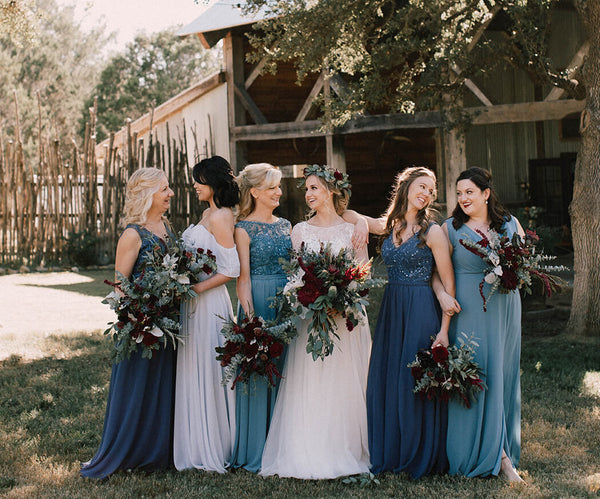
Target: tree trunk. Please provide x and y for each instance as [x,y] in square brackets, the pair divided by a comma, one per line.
[585,207]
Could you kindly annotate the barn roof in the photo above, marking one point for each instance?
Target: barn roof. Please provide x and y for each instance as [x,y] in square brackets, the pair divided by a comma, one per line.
[214,23]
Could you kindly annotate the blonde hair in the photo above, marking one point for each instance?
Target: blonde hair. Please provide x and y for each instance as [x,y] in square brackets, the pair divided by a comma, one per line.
[141,187]
[257,176]
[341,197]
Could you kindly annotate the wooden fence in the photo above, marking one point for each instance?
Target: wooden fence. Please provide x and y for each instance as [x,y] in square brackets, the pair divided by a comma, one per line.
[44,208]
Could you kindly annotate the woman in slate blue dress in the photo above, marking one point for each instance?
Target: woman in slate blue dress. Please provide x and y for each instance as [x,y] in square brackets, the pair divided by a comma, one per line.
[406,432]
[139,412]
[261,240]
[485,439]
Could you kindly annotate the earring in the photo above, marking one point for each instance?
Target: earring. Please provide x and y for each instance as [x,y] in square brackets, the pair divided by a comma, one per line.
[486,201]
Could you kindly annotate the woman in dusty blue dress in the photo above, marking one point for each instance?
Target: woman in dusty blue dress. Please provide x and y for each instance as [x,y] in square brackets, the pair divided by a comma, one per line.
[406,432]
[138,424]
[261,239]
[485,439]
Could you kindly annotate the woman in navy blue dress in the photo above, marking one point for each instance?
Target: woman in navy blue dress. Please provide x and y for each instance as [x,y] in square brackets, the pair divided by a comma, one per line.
[138,424]
[407,433]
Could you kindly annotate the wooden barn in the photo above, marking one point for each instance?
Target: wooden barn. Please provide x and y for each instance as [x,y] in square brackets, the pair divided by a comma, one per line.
[525,134]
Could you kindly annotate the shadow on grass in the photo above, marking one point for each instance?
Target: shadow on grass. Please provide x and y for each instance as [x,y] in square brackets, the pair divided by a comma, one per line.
[95,287]
[52,409]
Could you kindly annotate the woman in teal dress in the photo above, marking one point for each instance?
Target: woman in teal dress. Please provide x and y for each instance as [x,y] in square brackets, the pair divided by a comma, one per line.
[138,424]
[485,439]
[261,239]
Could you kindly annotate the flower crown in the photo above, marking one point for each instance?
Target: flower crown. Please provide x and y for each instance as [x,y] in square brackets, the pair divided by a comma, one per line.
[338,179]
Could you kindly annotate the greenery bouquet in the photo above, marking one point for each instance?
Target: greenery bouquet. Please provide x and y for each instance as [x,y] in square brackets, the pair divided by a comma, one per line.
[445,373]
[323,285]
[512,263]
[147,306]
[251,347]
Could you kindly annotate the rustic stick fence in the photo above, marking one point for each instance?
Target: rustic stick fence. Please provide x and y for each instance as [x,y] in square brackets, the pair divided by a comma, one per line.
[46,206]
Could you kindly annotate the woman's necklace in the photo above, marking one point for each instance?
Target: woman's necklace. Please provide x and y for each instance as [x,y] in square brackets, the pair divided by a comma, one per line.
[157,228]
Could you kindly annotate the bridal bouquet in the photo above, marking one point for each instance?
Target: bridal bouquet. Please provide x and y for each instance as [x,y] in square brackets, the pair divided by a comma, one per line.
[251,347]
[323,285]
[512,263]
[445,373]
[147,307]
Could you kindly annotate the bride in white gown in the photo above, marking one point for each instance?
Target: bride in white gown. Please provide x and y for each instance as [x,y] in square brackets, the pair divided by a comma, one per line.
[204,421]
[319,427]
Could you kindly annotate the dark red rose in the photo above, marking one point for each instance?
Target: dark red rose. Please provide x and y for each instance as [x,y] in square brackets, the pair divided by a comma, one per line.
[509,279]
[206,268]
[363,292]
[232,348]
[276,350]
[264,357]
[308,293]
[149,339]
[251,350]
[439,353]
[332,269]
[120,325]
[338,175]
[200,251]
[349,324]
[416,372]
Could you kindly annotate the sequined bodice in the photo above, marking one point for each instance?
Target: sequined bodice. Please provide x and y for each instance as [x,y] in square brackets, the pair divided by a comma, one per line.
[268,243]
[149,242]
[407,263]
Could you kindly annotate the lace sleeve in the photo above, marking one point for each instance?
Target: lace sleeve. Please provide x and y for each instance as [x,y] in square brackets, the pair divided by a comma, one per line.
[297,235]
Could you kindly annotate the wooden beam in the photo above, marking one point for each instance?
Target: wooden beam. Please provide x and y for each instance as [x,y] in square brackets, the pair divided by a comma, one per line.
[336,153]
[233,54]
[250,105]
[481,30]
[557,92]
[255,73]
[308,103]
[454,160]
[525,111]
[473,87]
[484,115]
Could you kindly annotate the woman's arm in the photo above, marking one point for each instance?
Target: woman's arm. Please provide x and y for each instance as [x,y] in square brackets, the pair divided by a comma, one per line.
[221,225]
[438,243]
[244,283]
[128,249]
[375,225]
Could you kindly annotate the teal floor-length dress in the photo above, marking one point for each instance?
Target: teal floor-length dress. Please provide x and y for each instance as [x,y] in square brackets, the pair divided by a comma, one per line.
[255,401]
[477,436]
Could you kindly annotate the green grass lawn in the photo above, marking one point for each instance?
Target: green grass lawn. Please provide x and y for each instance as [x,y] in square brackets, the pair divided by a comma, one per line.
[52,409]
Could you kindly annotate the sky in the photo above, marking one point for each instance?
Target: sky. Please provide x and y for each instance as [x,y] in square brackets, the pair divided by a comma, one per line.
[127,17]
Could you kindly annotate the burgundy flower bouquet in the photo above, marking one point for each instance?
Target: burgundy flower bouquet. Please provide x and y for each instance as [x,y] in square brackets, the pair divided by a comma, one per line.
[323,285]
[252,347]
[147,307]
[446,373]
[513,263]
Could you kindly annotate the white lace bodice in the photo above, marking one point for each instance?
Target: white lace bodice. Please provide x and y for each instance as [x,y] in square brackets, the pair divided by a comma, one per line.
[340,236]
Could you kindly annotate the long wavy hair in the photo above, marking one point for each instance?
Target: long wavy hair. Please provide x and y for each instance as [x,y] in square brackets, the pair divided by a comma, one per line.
[216,172]
[396,211]
[497,213]
[258,176]
[341,197]
[141,187]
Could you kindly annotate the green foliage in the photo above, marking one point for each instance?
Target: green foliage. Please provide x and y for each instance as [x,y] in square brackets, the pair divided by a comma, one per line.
[152,69]
[82,248]
[62,67]
[397,55]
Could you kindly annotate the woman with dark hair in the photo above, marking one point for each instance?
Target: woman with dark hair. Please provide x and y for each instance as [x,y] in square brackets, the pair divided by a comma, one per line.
[485,439]
[204,408]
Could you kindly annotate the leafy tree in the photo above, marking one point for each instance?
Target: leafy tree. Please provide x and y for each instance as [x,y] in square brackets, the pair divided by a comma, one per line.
[18,20]
[401,55]
[61,65]
[152,69]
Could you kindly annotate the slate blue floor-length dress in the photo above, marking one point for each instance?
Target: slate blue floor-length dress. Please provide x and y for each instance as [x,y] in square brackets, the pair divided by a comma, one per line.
[406,433]
[477,436]
[255,401]
[138,424]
